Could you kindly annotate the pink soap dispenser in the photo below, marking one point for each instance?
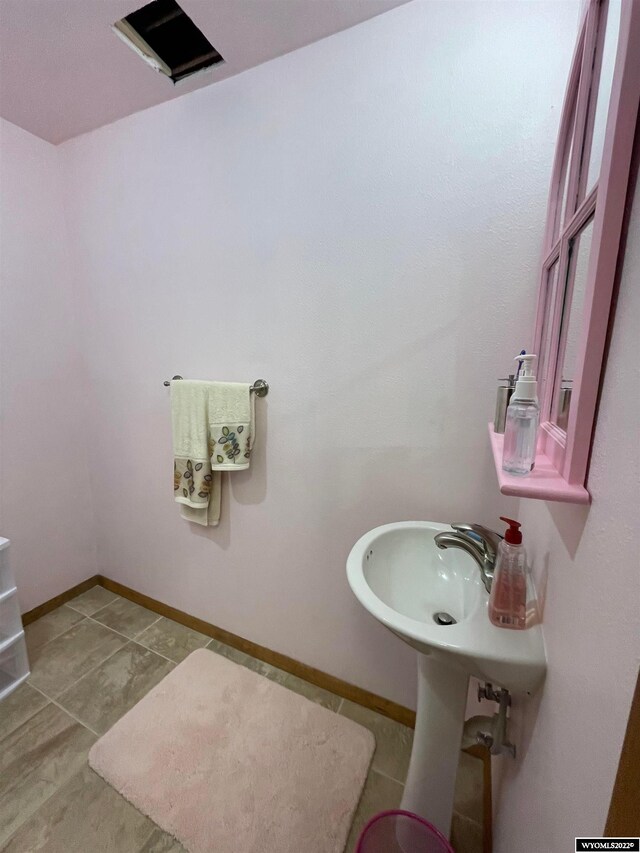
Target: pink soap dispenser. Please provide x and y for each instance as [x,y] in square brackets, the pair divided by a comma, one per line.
[508,601]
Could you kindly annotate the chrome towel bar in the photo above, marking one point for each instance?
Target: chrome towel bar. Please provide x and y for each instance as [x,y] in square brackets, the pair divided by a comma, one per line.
[260,387]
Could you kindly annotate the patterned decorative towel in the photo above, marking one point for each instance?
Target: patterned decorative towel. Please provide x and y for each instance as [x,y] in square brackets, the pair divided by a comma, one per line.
[213,430]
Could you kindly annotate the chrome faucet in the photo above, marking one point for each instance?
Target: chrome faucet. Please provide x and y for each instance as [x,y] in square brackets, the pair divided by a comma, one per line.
[478,541]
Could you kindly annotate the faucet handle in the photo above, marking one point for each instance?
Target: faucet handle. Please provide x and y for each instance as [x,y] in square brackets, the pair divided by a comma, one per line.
[490,539]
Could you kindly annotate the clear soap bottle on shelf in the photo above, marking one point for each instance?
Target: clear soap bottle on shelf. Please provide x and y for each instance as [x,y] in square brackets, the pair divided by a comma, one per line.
[521,427]
[508,599]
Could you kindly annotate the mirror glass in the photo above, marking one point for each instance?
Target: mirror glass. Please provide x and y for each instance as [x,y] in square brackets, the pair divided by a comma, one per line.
[572,312]
[563,207]
[612,23]
[545,344]
[566,209]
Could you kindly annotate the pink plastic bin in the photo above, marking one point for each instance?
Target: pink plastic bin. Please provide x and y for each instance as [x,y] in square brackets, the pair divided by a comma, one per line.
[401,832]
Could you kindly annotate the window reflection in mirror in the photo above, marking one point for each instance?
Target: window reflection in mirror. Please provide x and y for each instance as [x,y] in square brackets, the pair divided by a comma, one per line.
[572,314]
[609,48]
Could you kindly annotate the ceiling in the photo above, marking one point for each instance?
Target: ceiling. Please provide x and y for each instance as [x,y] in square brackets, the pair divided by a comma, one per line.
[64,72]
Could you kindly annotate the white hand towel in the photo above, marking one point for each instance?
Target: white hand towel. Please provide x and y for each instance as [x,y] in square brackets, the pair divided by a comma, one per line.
[213,427]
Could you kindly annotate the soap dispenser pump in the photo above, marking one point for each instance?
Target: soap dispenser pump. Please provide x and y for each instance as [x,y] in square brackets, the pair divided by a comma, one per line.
[521,427]
[508,600]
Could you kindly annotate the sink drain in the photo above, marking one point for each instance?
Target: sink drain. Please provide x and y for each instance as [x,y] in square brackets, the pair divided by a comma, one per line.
[442,618]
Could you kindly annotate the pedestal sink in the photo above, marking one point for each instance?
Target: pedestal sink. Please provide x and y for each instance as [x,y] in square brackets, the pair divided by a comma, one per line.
[400,576]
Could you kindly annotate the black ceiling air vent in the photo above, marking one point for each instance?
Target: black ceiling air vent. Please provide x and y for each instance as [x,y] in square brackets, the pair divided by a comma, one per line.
[167,39]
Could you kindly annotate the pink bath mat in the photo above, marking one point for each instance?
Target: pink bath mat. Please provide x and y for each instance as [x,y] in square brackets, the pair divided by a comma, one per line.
[229,762]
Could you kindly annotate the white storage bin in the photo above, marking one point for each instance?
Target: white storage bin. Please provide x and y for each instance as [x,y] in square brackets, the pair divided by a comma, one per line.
[14,666]
[6,575]
[10,621]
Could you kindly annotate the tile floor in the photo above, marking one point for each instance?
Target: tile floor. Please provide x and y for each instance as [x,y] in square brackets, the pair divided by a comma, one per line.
[94,658]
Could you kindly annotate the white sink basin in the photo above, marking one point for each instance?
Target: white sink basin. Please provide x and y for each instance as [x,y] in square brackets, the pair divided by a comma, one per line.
[403,579]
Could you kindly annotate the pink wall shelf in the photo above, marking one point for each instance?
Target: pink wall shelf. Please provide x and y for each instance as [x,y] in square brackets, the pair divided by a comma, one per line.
[543,483]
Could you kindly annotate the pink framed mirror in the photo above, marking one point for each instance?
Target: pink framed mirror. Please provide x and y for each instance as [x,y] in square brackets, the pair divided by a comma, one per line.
[582,237]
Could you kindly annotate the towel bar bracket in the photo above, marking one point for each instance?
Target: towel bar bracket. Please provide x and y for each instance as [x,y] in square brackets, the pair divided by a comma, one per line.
[167,382]
[260,387]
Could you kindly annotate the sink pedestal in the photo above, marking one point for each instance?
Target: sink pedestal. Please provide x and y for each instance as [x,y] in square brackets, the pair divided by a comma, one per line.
[399,575]
[442,699]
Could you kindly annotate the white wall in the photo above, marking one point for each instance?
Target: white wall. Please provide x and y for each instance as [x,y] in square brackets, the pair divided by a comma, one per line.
[570,739]
[45,503]
[358,223]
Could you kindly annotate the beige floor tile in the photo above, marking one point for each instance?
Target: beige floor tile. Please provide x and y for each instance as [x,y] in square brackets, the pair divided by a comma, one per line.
[304,688]
[393,740]
[52,625]
[18,707]
[83,816]
[172,640]
[92,600]
[36,760]
[468,796]
[466,835]
[380,793]
[62,661]
[100,698]
[291,682]
[125,617]
[235,655]
[161,842]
